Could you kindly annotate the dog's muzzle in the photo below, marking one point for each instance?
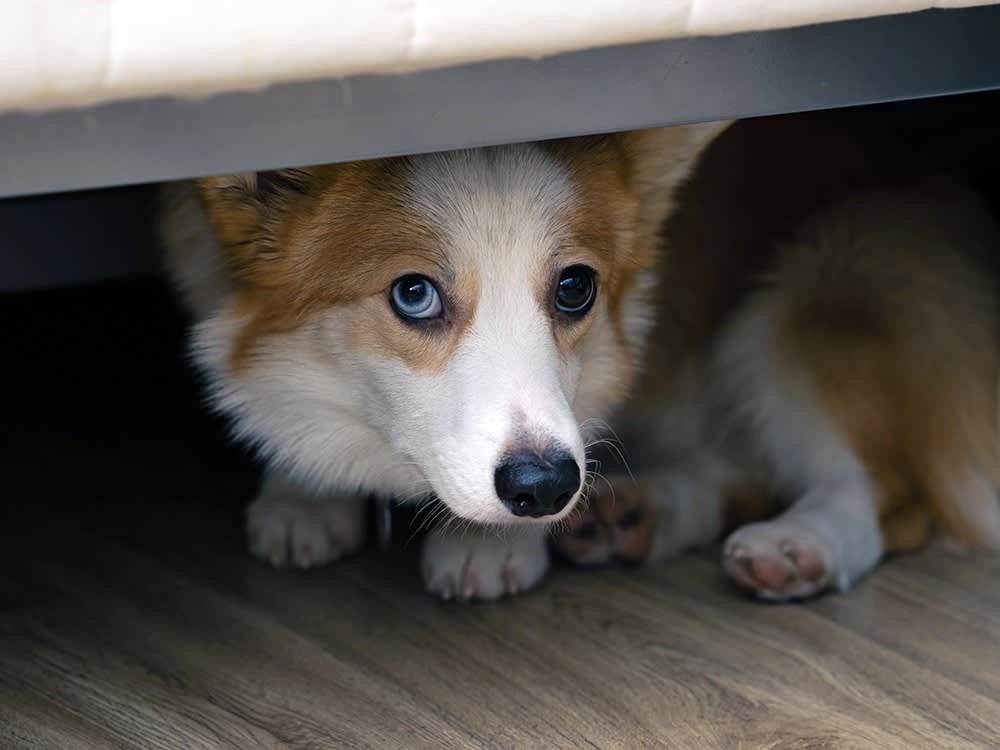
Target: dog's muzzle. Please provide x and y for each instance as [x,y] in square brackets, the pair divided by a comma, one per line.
[532,485]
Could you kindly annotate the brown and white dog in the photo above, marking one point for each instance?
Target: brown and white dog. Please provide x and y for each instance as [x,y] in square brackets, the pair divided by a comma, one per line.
[461,325]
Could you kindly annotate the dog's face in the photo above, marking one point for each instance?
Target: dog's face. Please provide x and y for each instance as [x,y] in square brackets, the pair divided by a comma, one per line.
[443,324]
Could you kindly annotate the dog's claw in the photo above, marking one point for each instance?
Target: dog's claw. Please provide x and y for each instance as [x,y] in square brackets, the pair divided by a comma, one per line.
[276,553]
[470,587]
[447,591]
[510,583]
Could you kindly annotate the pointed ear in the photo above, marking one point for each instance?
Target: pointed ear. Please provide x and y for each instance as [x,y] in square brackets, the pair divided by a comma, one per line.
[665,156]
[663,159]
[246,211]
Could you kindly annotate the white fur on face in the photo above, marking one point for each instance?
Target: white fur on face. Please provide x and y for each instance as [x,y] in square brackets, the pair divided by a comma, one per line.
[506,387]
[305,402]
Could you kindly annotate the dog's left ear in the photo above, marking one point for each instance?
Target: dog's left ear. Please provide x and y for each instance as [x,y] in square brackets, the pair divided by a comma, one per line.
[247,210]
[663,158]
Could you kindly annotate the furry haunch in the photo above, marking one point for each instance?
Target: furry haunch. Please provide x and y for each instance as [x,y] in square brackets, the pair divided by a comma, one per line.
[464,325]
[821,380]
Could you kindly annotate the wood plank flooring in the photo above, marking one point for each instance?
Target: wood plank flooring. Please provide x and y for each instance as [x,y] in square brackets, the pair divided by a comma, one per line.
[133,620]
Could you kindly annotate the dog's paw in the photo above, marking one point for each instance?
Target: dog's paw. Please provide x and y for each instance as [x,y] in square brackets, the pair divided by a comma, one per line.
[618,524]
[303,533]
[483,564]
[778,560]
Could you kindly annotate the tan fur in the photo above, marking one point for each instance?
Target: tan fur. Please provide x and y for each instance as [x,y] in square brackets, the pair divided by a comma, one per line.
[823,290]
[628,182]
[602,230]
[753,186]
[897,326]
[324,238]
[901,338]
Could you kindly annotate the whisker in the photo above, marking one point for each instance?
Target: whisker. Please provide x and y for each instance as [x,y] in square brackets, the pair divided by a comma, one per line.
[595,424]
[562,526]
[616,447]
[431,510]
[593,477]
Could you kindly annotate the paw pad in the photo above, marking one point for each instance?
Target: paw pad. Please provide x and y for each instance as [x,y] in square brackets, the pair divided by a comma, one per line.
[782,569]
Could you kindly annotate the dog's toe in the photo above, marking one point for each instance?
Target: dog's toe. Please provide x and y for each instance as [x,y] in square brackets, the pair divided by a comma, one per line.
[301,534]
[482,565]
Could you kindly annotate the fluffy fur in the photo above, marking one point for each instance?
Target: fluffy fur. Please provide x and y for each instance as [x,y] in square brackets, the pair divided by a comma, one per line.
[824,348]
[290,275]
[823,373]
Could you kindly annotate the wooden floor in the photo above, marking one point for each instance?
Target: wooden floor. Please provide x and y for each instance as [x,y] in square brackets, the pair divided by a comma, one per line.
[142,624]
[130,616]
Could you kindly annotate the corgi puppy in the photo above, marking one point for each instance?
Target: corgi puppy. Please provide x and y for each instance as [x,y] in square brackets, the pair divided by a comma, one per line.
[822,375]
[454,325]
[797,345]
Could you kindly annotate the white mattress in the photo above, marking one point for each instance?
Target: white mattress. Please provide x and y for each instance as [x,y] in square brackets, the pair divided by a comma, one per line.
[62,53]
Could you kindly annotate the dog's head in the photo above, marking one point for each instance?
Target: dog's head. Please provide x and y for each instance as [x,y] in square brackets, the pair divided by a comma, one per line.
[449,323]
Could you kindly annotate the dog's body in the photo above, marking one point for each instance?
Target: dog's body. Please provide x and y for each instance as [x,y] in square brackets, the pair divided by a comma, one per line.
[461,324]
[826,347]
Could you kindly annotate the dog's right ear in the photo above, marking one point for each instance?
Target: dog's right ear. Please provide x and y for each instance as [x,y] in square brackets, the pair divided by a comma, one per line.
[247,211]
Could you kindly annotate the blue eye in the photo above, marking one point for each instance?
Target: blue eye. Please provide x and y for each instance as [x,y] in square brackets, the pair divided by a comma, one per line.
[576,290]
[414,297]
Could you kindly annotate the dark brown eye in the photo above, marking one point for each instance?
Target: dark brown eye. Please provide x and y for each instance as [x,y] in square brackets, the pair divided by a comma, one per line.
[576,290]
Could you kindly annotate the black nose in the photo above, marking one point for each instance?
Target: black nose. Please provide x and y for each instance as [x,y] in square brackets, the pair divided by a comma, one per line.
[536,486]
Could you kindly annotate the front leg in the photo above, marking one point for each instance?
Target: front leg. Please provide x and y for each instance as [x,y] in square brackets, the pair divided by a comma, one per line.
[483,563]
[827,539]
[289,525]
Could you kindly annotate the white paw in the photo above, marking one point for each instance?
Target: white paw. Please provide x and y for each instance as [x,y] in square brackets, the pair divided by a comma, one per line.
[483,564]
[304,532]
[779,560]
